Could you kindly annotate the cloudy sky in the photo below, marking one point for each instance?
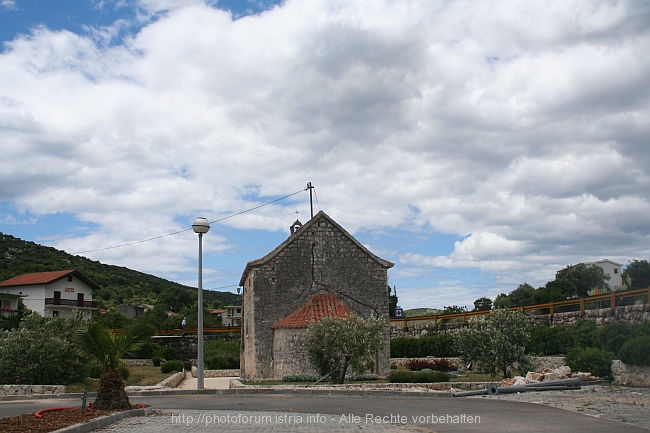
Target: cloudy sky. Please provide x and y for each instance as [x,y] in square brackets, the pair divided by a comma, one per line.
[476,144]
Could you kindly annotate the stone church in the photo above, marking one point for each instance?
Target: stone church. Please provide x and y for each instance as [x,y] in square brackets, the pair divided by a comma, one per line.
[320,270]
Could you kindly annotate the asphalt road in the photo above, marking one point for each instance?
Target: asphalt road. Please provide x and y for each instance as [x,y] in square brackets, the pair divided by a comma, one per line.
[436,413]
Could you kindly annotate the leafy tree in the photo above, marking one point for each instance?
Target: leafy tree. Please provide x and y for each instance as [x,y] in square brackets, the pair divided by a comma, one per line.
[637,274]
[584,278]
[483,304]
[335,343]
[495,341]
[556,290]
[43,351]
[109,349]
[453,309]
[522,295]
[112,320]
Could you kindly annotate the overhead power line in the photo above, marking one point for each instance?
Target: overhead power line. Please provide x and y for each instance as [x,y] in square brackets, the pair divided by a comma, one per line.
[190,228]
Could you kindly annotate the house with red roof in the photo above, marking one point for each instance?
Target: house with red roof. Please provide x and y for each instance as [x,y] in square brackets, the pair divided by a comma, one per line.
[319,270]
[53,293]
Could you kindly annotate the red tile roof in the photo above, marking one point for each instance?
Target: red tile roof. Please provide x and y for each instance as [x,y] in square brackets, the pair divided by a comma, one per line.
[37,278]
[44,278]
[312,311]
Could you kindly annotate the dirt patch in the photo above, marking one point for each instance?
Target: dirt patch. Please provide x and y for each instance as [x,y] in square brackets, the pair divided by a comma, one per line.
[617,403]
[51,421]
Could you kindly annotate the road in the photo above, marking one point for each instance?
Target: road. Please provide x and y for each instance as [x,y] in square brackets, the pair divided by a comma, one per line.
[432,412]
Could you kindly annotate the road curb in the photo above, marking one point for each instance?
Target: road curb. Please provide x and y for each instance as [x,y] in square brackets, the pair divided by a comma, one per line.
[104,421]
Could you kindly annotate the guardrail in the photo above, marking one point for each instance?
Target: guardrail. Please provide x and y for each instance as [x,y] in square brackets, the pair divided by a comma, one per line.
[189,331]
[610,298]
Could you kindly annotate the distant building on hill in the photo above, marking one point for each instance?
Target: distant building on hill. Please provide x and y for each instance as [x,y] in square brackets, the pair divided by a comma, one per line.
[55,293]
[613,270]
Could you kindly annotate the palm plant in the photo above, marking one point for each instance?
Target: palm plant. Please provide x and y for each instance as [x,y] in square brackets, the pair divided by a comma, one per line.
[109,348]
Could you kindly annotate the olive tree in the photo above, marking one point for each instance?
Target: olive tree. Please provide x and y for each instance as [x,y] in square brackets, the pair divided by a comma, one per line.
[494,341]
[335,343]
[43,351]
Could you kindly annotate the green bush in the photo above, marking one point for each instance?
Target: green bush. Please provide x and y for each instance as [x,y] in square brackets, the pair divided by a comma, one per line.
[173,365]
[54,355]
[156,360]
[359,377]
[636,351]
[435,345]
[169,353]
[222,362]
[94,370]
[418,377]
[546,340]
[585,334]
[302,377]
[595,361]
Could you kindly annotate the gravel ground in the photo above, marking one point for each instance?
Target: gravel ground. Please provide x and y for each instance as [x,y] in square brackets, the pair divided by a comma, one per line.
[618,403]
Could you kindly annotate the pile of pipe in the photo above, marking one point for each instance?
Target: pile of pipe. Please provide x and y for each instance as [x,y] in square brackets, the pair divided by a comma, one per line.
[553,385]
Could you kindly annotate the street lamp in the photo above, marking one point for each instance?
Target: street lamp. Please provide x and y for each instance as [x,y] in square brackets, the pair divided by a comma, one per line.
[200,226]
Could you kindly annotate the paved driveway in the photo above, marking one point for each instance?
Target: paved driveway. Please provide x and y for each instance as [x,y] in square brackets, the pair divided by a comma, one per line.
[342,412]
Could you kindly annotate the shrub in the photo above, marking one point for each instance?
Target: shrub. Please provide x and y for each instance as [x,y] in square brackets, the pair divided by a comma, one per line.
[156,360]
[418,377]
[546,340]
[173,365]
[222,362]
[595,361]
[419,364]
[169,353]
[612,336]
[93,370]
[302,377]
[358,377]
[435,345]
[636,351]
[53,356]
[496,341]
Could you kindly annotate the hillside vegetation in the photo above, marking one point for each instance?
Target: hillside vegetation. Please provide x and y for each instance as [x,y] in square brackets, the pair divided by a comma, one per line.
[118,285]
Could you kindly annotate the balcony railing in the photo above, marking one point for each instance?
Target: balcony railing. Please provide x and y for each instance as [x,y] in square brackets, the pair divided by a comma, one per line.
[70,303]
[8,312]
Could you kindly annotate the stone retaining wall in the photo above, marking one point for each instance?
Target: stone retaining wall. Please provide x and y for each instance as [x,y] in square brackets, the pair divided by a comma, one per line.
[137,362]
[32,389]
[632,375]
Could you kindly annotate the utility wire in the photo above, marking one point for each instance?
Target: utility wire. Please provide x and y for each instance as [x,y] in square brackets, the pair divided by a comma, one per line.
[188,229]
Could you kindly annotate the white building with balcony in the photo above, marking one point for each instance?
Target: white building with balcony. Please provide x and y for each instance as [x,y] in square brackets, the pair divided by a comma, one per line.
[55,293]
[613,270]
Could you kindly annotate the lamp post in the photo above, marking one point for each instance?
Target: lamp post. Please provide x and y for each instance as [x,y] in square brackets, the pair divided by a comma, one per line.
[200,226]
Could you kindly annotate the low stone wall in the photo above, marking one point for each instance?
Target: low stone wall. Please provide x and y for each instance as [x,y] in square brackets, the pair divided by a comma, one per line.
[539,362]
[173,381]
[137,362]
[216,373]
[632,375]
[31,389]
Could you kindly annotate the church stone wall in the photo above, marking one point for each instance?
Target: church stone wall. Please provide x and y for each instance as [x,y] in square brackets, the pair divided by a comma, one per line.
[320,257]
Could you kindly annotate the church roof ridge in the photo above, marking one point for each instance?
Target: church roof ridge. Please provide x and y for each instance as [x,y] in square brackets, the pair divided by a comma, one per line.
[306,226]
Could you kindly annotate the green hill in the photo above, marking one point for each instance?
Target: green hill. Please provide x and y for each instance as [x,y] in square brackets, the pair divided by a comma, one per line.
[117,284]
